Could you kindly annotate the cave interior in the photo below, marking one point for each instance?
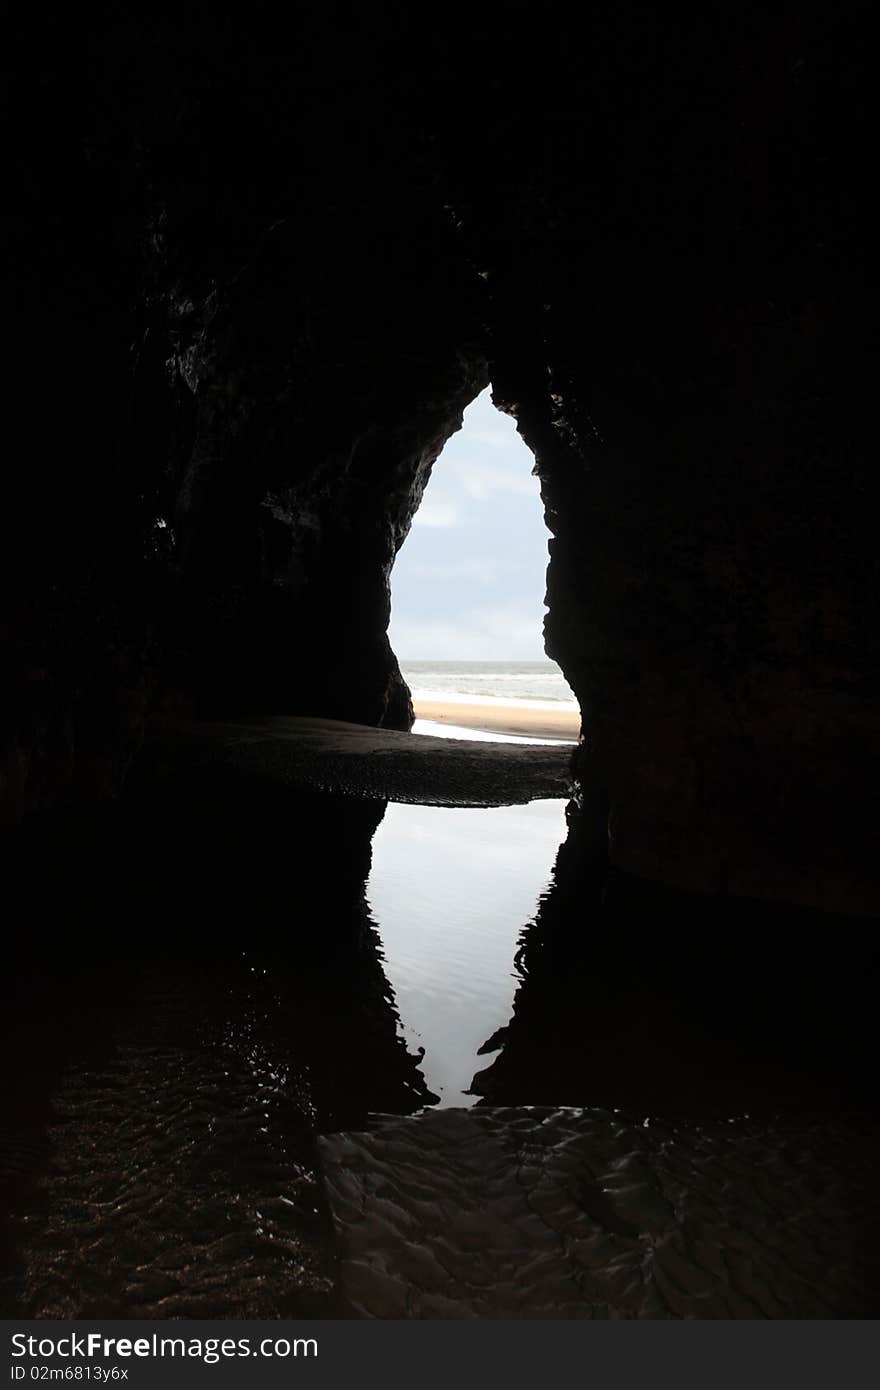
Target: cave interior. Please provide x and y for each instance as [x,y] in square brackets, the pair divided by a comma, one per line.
[253,291]
[254,279]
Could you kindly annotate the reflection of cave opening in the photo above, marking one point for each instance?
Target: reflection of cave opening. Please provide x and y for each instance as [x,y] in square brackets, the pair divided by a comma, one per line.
[469,582]
[450,889]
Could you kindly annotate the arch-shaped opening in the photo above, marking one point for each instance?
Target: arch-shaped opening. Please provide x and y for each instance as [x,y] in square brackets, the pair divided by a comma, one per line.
[468,591]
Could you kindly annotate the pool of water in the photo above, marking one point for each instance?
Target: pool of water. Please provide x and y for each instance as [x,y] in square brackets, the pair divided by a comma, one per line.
[437,730]
[450,891]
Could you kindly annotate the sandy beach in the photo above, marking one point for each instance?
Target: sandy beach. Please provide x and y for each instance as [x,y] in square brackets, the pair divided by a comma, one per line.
[502,719]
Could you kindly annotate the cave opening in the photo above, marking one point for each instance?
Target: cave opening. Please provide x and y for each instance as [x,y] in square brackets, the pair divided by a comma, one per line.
[468,590]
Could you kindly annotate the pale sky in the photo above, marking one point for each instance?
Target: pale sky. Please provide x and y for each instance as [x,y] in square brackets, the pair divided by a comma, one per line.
[469,581]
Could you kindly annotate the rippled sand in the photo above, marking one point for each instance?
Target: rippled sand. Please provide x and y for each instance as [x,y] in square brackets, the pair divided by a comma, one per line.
[539,1213]
[181,1179]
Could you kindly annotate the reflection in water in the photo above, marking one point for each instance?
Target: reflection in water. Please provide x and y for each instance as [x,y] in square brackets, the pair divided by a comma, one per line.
[449,891]
[191,993]
[437,730]
[668,1003]
[194,989]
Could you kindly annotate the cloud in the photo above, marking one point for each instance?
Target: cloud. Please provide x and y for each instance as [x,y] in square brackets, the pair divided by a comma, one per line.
[434,512]
[501,633]
[482,478]
[469,581]
[486,572]
[487,455]
[495,432]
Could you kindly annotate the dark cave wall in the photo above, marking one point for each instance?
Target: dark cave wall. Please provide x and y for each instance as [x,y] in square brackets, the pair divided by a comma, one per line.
[713,612]
[256,284]
[311,409]
[679,327]
[617,977]
[260,337]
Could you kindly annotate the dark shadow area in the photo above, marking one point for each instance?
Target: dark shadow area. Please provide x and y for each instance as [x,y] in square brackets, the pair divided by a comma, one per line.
[192,989]
[195,992]
[632,995]
[711,1026]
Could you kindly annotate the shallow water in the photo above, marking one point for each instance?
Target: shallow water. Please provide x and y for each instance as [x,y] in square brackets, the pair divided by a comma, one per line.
[202,980]
[450,891]
[436,730]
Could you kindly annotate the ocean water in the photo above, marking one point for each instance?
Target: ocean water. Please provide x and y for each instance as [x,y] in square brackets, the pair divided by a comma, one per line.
[534,684]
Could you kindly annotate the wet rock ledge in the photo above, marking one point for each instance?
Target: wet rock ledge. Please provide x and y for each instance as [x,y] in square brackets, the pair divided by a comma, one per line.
[333,756]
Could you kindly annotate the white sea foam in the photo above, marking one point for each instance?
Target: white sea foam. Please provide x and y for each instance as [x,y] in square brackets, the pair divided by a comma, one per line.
[526,684]
[496,701]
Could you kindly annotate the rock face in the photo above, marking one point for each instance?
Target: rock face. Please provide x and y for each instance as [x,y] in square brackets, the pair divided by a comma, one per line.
[257,278]
[314,419]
